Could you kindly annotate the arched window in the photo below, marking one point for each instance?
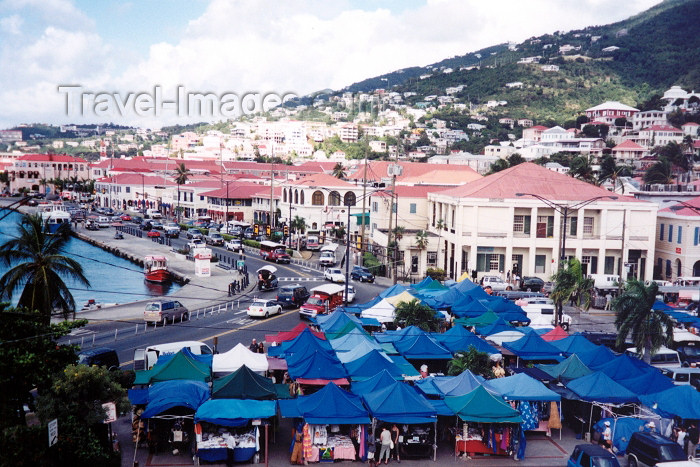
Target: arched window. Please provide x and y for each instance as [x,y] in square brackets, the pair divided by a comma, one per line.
[334,198]
[678,268]
[696,269]
[296,197]
[284,195]
[350,199]
[317,199]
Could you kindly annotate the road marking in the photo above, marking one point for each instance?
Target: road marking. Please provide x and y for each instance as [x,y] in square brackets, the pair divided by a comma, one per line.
[239,312]
[300,279]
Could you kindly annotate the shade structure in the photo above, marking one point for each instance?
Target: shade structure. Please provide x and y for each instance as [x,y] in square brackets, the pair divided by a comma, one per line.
[424,283]
[596,357]
[446,386]
[624,366]
[482,406]
[532,347]
[403,297]
[180,366]
[382,312]
[661,306]
[506,336]
[378,381]
[183,395]
[497,326]
[456,332]
[370,364]
[316,365]
[521,387]
[291,334]
[569,369]
[237,357]
[422,347]
[305,342]
[679,401]
[335,320]
[647,382]
[393,290]
[482,320]
[555,334]
[405,333]
[463,345]
[204,358]
[349,328]
[575,343]
[350,342]
[468,306]
[234,412]
[599,387]
[244,384]
[329,405]
[361,349]
[399,403]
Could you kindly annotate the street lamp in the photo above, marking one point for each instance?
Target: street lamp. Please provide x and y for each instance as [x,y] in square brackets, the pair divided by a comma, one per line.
[564,210]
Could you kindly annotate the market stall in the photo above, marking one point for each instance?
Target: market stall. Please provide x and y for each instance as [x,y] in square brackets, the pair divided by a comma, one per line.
[238,356]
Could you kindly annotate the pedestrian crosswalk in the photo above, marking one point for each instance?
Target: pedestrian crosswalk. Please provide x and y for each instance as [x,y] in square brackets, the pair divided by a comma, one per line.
[300,279]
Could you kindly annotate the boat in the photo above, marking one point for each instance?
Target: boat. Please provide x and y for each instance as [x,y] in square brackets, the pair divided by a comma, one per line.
[91,305]
[54,215]
[156,268]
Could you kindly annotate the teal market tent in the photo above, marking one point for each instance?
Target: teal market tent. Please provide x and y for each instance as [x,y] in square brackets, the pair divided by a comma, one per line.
[599,387]
[180,366]
[450,385]
[234,412]
[521,387]
[362,348]
[482,406]
[244,383]
[497,326]
[678,401]
[405,333]
[569,369]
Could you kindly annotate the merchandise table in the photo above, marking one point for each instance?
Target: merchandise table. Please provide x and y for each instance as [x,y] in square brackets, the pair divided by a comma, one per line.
[415,450]
[475,446]
[226,454]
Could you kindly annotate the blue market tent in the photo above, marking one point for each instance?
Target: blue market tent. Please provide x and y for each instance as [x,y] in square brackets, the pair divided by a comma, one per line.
[330,405]
[456,332]
[406,368]
[497,326]
[661,306]
[335,320]
[234,412]
[569,369]
[305,342]
[378,381]
[481,406]
[424,283]
[622,430]
[393,290]
[599,387]
[399,403]
[679,401]
[532,347]
[316,365]
[468,307]
[450,385]
[596,357]
[575,343]
[473,341]
[361,349]
[183,395]
[422,347]
[647,382]
[521,387]
[351,340]
[371,364]
[624,366]
[405,333]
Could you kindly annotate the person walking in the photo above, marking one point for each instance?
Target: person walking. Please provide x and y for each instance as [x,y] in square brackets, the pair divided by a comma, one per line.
[692,436]
[253,347]
[608,301]
[607,437]
[386,442]
[395,440]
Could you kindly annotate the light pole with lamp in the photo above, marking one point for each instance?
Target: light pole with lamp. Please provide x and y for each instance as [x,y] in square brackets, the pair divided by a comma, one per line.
[564,210]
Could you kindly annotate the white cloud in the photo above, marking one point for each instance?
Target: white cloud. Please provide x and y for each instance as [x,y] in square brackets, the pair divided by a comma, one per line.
[264,45]
[11,24]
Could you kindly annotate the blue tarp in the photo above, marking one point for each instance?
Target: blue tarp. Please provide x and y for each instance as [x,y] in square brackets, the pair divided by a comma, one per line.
[622,430]
[378,381]
[497,326]
[661,306]
[234,412]
[532,347]
[406,368]
[422,347]
[330,405]
[316,365]
[599,387]
[393,336]
[399,403]
[176,393]
[575,343]
[335,321]
[521,387]
[469,307]
[456,332]
[370,364]
[679,401]
[474,341]
[647,382]
[351,340]
[391,291]
[138,396]
[424,283]
[596,357]
[305,343]
[361,349]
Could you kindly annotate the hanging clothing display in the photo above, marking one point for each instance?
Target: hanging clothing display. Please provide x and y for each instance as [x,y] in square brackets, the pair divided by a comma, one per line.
[529,416]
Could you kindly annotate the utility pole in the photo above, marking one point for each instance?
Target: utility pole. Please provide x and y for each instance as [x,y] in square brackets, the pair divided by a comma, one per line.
[364,201]
[622,253]
[272,194]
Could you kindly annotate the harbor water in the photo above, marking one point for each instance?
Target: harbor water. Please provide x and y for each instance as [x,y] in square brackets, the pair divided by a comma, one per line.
[112,279]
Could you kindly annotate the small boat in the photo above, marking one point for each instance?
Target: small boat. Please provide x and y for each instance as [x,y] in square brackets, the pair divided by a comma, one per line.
[156,268]
[54,215]
[91,304]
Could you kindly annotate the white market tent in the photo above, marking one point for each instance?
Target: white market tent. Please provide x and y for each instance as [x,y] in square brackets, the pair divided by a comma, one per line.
[382,312]
[240,355]
[504,336]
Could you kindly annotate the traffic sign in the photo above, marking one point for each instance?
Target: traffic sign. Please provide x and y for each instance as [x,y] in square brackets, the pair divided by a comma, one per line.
[111,411]
[53,432]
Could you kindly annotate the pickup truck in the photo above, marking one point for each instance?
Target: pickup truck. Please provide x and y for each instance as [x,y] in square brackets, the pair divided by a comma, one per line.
[214,238]
[279,256]
[323,300]
[496,283]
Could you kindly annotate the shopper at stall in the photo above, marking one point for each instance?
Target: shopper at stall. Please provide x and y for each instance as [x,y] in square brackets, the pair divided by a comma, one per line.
[297,445]
[253,347]
[395,440]
[386,442]
[607,436]
[692,436]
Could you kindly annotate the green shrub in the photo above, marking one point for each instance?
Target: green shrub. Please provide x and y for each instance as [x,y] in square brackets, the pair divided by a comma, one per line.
[372,263]
[436,273]
[252,243]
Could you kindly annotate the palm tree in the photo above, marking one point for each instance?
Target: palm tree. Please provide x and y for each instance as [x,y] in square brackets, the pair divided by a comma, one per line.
[414,313]
[635,316]
[38,268]
[339,171]
[5,179]
[477,362]
[440,225]
[299,226]
[571,285]
[422,239]
[182,173]
[582,169]
[661,172]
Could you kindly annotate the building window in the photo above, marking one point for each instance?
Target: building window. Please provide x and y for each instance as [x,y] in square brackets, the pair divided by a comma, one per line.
[697,236]
[680,234]
[571,225]
[412,208]
[375,206]
[317,199]
[540,261]
[668,268]
[333,198]
[587,226]
[350,199]
[128,189]
[284,195]
[609,265]
[393,207]
[433,215]
[661,232]
[296,196]
[545,226]
[521,224]
[670,232]
[678,268]
[432,258]
[493,262]
[301,198]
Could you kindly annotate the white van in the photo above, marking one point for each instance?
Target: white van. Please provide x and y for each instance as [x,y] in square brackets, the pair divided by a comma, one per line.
[664,358]
[154,214]
[683,376]
[542,315]
[144,359]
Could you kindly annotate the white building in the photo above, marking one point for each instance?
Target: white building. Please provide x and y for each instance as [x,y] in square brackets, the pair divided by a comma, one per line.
[678,242]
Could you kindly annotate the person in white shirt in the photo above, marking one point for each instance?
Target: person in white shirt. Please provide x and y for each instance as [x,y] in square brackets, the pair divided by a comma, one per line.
[385,439]
[607,437]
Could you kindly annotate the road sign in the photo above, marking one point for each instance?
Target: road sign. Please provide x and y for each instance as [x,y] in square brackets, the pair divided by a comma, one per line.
[53,432]
[111,410]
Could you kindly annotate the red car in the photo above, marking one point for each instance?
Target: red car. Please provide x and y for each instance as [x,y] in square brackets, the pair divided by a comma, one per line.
[153,233]
[125,217]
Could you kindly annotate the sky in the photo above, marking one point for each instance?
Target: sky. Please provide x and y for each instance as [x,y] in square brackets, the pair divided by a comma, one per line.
[87,61]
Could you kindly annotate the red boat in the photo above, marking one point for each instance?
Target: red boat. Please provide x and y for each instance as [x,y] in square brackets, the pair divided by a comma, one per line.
[156,269]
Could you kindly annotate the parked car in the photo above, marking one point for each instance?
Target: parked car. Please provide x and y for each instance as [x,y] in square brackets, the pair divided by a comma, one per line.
[362,274]
[496,283]
[548,288]
[264,308]
[100,356]
[125,217]
[194,233]
[153,233]
[531,284]
[351,293]
[327,258]
[234,245]
[689,353]
[195,243]
[162,311]
[334,275]
[172,232]
[592,455]
[649,448]
[214,238]
[157,225]
[249,233]
[292,295]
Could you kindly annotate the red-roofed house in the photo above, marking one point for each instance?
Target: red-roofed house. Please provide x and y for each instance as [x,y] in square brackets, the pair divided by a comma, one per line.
[135,192]
[28,171]
[628,151]
[413,172]
[660,135]
[678,241]
[534,133]
[609,111]
[691,129]
[239,197]
[488,227]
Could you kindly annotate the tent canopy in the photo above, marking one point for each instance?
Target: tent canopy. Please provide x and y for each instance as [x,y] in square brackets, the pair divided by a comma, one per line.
[647,382]
[382,312]
[180,366]
[450,385]
[244,384]
[679,401]
[399,403]
[521,387]
[237,357]
[234,412]
[596,357]
[555,334]
[497,326]
[575,343]
[362,348]
[188,395]
[304,343]
[378,381]
[317,364]
[403,297]
[330,405]
[482,406]
[291,334]
[371,364]
[569,369]
[532,347]
[422,347]
[484,319]
[599,387]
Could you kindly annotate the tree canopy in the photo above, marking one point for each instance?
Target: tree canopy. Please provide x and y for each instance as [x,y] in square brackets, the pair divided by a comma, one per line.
[414,313]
